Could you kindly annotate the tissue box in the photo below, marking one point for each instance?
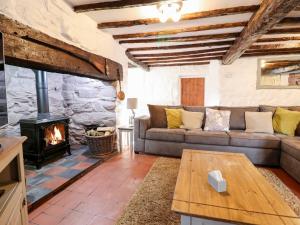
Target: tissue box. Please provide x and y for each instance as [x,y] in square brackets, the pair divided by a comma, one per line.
[216,180]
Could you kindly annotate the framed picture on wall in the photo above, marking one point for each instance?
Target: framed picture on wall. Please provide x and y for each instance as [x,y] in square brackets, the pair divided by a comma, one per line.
[280,73]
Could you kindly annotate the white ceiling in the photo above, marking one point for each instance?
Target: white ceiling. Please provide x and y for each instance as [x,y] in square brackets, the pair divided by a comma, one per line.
[189,6]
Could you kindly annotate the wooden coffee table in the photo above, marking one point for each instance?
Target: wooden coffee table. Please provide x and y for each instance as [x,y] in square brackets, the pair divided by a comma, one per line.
[249,199]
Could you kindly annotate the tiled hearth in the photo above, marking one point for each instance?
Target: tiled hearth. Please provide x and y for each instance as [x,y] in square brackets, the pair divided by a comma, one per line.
[53,177]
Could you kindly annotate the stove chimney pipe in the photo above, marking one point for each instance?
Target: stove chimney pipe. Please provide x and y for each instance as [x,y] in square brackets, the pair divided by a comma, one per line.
[41,82]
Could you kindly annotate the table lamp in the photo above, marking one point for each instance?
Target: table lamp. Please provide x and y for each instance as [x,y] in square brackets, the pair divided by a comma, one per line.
[132,105]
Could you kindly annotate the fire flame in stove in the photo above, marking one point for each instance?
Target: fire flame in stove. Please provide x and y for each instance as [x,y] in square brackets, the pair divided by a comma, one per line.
[56,137]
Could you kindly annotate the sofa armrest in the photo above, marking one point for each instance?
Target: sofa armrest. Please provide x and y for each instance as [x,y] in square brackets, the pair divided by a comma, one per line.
[141,125]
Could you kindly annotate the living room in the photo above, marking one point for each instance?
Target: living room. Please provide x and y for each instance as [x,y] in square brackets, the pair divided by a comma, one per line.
[149,112]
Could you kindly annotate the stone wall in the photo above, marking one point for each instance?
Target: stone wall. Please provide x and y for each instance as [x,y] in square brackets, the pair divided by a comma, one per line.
[85,101]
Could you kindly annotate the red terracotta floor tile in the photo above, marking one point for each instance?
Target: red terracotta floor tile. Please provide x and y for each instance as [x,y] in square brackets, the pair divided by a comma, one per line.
[77,218]
[54,183]
[100,196]
[38,211]
[98,220]
[44,219]
[58,211]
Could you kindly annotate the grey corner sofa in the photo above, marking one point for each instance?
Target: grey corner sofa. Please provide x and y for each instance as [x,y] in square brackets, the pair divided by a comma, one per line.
[261,149]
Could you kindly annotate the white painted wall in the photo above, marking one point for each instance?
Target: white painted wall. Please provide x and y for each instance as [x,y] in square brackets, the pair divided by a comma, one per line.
[230,85]
[238,87]
[160,85]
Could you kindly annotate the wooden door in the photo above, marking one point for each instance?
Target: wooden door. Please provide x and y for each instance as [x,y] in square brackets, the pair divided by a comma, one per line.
[192,91]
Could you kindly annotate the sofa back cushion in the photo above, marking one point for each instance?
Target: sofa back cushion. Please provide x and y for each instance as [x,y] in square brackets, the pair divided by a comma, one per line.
[268,108]
[200,109]
[158,115]
[296,108]
[237,116]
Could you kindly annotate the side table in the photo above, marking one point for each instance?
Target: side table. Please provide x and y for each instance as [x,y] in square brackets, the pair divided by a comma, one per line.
[129,131]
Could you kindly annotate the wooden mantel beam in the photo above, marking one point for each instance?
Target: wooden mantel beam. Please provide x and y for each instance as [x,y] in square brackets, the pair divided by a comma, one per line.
[30,48]
[268,15]
[120,4]
[189,16]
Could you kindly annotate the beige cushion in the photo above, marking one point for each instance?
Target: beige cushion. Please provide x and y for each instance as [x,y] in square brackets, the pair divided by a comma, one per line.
[191,120]
[217,120]
[259,122]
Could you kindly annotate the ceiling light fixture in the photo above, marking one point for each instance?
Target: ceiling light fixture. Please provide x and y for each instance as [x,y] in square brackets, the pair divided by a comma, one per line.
[170,10]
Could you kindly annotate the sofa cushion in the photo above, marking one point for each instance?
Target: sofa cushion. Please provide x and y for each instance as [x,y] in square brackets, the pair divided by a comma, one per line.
[164,134]
[292,147]
[199,109]
[269,108]
[259,122]
[296,108]
[158,115]
[254,140]
[207,137]
[191,120]
[237,117]
[286,121]
[217,120]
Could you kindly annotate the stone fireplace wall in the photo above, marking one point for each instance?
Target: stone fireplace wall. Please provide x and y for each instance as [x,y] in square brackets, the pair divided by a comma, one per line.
[85,101]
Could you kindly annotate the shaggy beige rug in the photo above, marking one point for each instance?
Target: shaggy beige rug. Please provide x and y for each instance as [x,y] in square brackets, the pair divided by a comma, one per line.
[151,204]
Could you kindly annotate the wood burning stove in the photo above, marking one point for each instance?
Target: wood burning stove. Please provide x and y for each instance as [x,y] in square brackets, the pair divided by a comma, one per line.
[48,136]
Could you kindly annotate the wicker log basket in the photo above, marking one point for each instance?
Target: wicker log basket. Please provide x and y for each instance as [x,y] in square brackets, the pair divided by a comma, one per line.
[102,141]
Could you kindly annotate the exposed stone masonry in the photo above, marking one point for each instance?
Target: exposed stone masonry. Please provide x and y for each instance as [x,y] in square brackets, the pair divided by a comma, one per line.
[85,101]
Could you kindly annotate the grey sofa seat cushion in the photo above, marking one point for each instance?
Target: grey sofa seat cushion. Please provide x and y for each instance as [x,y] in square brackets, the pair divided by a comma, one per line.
[292,147]
[207,137]
[254,140]
[237,116]
[283,136]
[165,134]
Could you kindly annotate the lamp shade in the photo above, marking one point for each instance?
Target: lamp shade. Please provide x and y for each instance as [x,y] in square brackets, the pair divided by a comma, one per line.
[131,103]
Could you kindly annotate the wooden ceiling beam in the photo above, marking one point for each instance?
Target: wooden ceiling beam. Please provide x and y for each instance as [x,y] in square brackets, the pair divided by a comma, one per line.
[121,4]
[136,61]
[289,21]
[189,16]
[278,39]
[269,53]
[182,39]
[205,44]
[211,50]
[195,59]
[179,64]
[291,30]
[275,46]
[268,15]
[181,30]
[182,56]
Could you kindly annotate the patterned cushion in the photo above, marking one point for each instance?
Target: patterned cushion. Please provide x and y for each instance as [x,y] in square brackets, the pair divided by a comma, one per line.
[217,120]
